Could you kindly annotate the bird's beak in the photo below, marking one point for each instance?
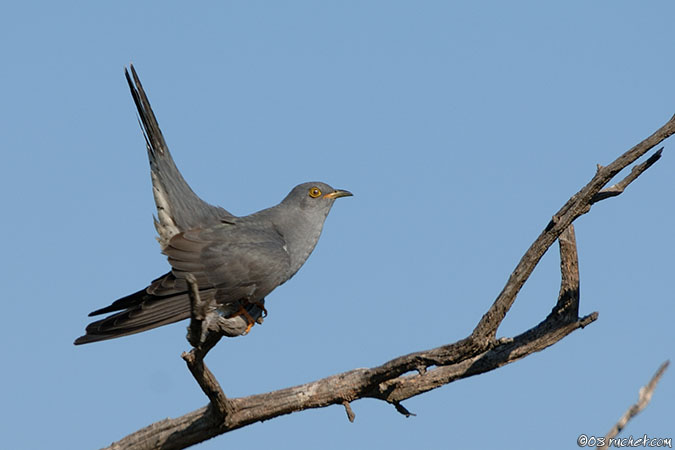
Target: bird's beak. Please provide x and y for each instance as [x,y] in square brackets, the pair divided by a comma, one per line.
[338,193]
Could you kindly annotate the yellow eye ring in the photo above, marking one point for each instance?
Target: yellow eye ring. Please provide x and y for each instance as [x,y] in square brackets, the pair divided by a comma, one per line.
[314,192]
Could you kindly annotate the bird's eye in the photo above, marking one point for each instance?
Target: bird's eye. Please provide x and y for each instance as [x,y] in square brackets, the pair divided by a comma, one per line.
[314,192]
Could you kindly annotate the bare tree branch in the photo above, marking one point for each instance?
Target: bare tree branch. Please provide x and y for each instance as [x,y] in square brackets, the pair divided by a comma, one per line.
[198,311]
[389,382]
[579,204]
[203,340]
[568,298]
[619,187]
[203,424]
[644,397]
[410,375]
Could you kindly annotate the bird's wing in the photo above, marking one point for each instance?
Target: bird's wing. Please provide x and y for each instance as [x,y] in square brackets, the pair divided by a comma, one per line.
[178,207]
[238,260]
[232,264]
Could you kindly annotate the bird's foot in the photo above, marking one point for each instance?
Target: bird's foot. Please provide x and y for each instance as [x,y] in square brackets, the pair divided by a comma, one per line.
[248,328]
[260,305]
[250,321]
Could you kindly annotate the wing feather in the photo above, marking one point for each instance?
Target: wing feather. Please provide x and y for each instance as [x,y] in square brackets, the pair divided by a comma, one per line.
[236,266]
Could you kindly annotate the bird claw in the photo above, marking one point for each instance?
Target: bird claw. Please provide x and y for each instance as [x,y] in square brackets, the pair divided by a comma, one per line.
[260,305]
[249,320]
[248,328]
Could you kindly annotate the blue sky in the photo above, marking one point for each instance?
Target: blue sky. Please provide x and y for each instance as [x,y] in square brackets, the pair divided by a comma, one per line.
[460,128]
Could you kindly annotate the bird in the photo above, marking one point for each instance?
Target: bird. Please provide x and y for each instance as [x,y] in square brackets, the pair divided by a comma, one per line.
[236,260]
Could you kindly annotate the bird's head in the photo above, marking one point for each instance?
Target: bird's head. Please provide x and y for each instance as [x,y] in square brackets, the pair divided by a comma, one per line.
[314,196]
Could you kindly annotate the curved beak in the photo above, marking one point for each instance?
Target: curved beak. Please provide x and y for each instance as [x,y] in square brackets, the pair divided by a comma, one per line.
[337,193]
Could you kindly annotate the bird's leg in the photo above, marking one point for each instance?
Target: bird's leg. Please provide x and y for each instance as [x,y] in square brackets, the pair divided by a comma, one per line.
[249,320]
[260,305]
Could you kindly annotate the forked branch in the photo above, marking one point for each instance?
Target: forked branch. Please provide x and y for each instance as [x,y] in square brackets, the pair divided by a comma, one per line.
[580,203]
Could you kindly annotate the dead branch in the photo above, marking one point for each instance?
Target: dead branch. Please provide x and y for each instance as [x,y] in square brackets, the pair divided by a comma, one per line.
[580,203]
[203,424]
[348,409]
[419,372]
[203,341]
[198,310]
[644,397]
[568,298]
[635,172]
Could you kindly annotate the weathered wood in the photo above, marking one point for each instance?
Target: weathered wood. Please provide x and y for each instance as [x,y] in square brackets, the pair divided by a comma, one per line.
[644,397]
[382,382]
[580,203]
[203,340]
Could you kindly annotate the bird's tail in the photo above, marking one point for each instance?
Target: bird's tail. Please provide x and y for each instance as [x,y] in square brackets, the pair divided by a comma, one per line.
[178,207]
[140,312]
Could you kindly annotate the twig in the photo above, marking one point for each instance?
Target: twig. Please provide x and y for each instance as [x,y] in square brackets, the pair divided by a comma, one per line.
[644,397]
[402,409]
[198,309]
[203,341]
[619,187]
[348,409]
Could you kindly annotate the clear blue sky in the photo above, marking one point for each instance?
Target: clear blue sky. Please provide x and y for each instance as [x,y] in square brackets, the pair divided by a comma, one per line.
[460,129]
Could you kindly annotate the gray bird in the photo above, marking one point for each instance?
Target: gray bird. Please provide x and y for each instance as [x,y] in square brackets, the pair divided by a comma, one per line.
[236,261]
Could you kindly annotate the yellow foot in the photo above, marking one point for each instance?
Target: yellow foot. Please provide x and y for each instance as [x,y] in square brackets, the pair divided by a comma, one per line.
[249,320]
[248,328]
